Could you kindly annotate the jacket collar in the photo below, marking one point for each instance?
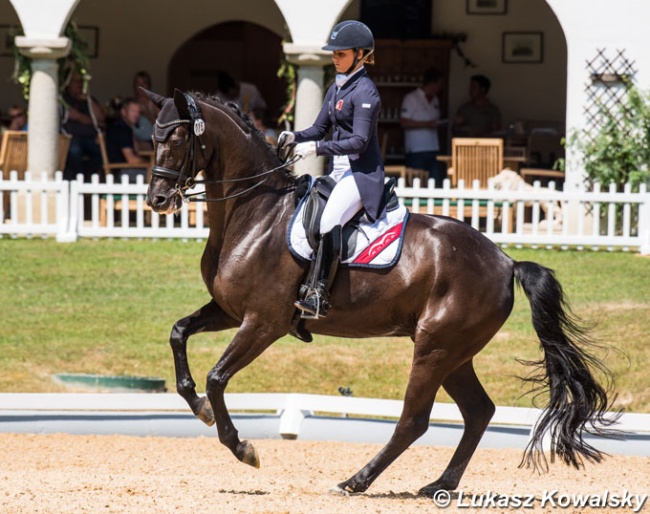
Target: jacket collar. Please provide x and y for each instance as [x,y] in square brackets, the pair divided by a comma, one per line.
[352,81]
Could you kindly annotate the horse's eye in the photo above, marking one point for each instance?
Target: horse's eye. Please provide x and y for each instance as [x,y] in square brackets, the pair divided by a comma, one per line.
[176,142]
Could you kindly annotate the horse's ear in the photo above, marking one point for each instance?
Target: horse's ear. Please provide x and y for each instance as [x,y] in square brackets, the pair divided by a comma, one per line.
[157,99]
[181,104]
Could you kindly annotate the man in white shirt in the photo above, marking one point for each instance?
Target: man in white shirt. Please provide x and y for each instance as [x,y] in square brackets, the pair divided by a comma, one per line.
[420,118]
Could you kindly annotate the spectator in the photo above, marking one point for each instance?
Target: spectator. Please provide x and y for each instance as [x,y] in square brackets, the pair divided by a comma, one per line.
[479,117]
[17,118]
[245,95]
[420,119]
[259,119]
[120,144]
[82,118]
[148,111]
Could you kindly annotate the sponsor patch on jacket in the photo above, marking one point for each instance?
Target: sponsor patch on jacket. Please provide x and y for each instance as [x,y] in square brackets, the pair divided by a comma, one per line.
[339,105]
[366,106]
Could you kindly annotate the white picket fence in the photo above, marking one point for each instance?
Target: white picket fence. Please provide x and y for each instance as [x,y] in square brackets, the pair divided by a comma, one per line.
[536,217]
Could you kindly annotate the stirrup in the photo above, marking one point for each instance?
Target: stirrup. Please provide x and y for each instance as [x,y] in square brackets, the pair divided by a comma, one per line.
[313,306]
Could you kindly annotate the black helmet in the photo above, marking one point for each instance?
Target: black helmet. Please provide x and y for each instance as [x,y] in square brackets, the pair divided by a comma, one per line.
[350,34]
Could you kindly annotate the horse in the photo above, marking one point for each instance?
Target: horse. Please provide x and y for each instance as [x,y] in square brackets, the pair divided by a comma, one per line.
[450,292]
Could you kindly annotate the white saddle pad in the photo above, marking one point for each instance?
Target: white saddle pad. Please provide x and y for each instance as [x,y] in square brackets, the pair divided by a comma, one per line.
[378,245]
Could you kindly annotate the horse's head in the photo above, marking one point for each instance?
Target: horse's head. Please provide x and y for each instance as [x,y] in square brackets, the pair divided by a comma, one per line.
[219,141]
[179,150]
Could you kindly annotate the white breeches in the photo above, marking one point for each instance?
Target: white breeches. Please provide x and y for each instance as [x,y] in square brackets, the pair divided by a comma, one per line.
[343,204]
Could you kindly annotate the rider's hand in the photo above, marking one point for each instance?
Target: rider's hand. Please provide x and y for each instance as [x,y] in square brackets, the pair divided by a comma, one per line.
[304,150]
[286,138]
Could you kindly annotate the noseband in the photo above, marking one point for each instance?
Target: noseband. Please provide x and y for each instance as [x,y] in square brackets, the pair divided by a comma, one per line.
[186,180]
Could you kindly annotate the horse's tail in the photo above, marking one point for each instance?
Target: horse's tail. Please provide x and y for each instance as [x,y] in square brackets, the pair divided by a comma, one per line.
[577,402]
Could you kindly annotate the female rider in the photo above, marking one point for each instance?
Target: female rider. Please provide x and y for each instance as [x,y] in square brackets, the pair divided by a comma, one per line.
[350,109]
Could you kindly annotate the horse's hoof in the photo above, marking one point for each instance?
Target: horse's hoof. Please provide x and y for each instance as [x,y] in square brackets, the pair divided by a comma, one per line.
[339,491]
[247,453]
[433,488]
[205,413]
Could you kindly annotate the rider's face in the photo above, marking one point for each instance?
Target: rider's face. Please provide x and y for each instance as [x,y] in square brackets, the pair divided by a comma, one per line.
[343,59]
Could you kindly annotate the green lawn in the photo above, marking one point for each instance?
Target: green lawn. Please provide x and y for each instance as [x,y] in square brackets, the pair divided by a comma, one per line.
[107,307]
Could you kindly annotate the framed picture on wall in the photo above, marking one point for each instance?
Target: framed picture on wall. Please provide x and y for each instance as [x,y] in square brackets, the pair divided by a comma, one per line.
[487,6]
[90,35]
[523,47]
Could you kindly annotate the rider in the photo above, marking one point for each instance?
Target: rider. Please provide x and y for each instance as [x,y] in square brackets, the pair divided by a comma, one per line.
[350,109]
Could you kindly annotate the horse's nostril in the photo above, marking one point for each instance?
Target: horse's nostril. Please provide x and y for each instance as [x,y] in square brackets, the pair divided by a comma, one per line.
[157,201]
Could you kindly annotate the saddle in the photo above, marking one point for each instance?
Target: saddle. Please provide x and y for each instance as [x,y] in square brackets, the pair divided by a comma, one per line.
[315,205]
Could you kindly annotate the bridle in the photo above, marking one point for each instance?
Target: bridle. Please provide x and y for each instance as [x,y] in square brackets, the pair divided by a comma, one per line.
[186,176]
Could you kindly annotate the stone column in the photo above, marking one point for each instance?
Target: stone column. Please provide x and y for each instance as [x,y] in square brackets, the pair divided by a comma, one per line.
[309,95]
[43,119]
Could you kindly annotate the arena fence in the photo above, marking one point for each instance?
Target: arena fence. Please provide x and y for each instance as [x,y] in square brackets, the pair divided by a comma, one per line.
[594,218]
[280,415]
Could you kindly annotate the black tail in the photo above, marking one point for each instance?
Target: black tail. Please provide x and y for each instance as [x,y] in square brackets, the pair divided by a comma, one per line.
[577,403]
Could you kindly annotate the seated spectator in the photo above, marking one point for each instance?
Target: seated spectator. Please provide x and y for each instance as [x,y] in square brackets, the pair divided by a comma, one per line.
[17,119]
[479,117]
[148,111]
[245,95]
[83,116]
[120,141]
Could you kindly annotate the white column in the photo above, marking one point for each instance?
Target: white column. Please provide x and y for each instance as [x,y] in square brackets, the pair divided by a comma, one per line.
[43,119]
[309,95]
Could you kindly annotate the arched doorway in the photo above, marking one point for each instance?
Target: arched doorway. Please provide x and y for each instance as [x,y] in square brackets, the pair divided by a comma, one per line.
[246,51]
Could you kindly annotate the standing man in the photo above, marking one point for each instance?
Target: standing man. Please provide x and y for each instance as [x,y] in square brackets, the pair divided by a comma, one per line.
[420,119]
[120,140]
[83,117]
[479,117]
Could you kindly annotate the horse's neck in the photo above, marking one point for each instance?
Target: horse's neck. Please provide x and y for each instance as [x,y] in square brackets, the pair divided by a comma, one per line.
[258,209]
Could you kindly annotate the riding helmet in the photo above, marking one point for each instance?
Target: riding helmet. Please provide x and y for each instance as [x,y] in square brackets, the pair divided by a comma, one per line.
[350,34]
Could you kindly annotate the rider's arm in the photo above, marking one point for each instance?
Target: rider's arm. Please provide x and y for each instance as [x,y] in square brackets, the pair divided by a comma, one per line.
[321,126]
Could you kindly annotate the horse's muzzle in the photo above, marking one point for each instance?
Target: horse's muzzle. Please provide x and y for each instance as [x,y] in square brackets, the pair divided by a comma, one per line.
[165,203]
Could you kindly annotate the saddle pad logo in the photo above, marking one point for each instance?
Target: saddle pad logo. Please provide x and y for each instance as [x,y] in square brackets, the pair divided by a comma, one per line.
[339,105]
[379,245]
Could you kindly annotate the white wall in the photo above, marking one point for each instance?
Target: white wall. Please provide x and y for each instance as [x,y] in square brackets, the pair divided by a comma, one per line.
[522,91]
[135,35]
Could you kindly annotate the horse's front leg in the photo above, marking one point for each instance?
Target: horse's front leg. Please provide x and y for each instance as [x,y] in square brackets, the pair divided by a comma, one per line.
[209,318]
[249,342]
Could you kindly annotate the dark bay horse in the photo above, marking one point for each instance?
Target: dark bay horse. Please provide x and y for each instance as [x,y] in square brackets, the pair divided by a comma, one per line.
[450,292]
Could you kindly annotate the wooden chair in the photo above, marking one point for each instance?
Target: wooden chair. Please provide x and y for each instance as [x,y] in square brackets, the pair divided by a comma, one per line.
[109,167]
[13,153]
[64,147]
[475,158]
[13,157]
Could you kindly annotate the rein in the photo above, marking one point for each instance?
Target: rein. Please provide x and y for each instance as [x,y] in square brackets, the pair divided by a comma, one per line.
[184,180]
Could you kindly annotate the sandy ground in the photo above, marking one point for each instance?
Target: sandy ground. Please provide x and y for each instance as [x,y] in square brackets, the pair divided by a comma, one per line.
[78,474]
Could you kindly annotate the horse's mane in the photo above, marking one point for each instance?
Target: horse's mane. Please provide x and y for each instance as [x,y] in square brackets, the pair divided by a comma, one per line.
[234,109]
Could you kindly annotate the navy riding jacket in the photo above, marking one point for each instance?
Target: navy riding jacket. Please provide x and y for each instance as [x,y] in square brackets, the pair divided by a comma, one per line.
[351,113]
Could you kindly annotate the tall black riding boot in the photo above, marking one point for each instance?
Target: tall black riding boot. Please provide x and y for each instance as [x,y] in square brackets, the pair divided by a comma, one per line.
[316,301]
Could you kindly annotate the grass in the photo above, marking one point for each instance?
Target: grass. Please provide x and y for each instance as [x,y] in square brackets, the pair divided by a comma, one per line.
[107,307]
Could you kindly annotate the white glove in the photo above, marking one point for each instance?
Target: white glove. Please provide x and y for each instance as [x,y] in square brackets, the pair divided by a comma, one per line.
[304,150]
[286,138]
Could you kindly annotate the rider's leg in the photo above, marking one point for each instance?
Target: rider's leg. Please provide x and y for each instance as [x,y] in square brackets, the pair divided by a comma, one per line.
[343,204]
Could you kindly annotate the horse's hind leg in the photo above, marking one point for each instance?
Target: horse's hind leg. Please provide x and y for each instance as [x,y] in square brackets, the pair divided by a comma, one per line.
[477,410]
[428,371]
[209,318]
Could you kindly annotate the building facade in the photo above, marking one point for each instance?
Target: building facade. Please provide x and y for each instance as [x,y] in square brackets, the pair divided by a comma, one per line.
[579,40]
